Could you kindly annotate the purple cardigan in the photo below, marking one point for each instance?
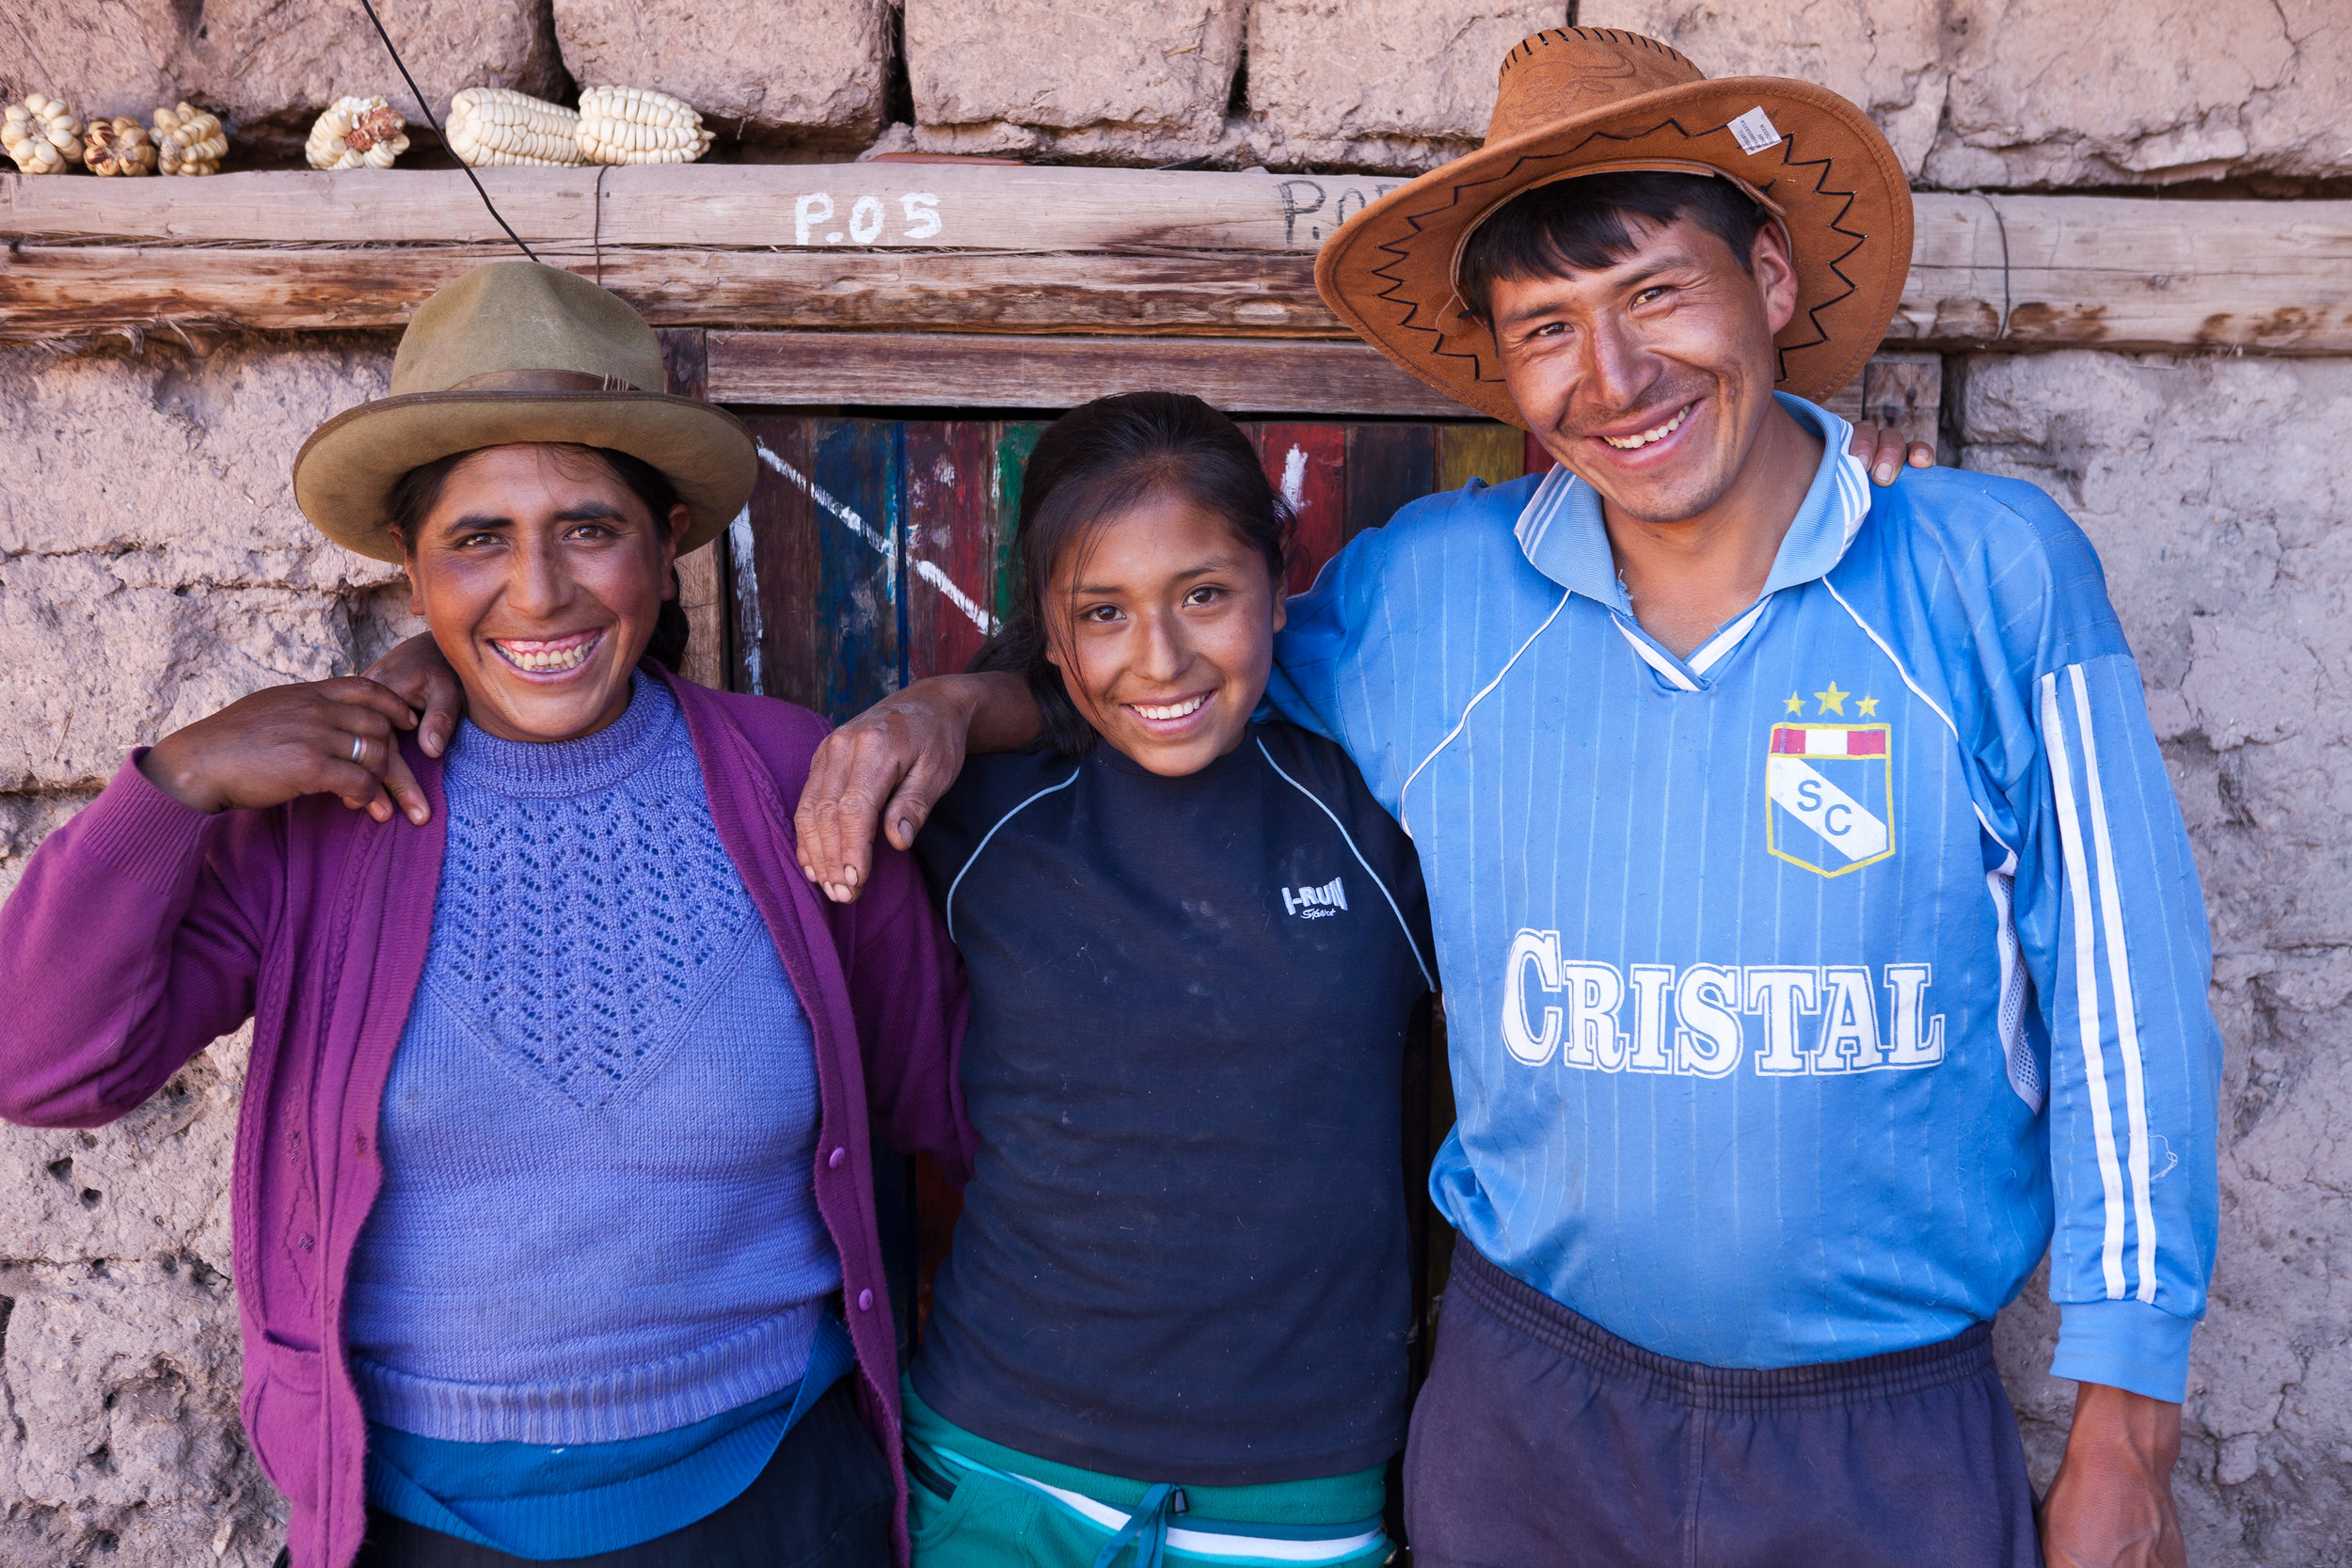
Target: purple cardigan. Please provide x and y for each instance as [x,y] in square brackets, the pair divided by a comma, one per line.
[143,930]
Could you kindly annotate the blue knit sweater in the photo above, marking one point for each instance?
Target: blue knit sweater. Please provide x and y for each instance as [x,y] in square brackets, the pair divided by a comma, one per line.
[598,1219]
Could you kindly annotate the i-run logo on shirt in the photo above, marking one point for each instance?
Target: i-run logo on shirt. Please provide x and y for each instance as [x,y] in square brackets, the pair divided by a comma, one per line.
[1813,1021]
[1315,903]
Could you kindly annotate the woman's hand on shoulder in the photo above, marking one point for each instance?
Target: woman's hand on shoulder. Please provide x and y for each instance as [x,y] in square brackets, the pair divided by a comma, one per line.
[881,771]
[333,737]
[1886,451]
[416,673]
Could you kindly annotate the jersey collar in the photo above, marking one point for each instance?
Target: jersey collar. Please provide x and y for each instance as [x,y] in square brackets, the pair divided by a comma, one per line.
[1561,531]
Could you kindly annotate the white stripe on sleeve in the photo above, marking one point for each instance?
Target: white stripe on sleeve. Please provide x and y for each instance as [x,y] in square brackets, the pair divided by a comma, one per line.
[2120,981]
[2087,1013]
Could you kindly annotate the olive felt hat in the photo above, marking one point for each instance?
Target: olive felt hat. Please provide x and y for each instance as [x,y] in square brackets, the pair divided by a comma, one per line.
[1576,100]
[517,352]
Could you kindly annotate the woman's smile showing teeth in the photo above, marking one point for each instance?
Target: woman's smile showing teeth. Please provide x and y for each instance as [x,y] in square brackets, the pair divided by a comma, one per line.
[548,656]
[1656,433]
[1184,707]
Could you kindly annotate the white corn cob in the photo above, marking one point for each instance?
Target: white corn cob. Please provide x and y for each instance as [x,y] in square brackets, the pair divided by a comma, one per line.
[189,141]
[357,133]
[637,125]
[498,125]
[42,134]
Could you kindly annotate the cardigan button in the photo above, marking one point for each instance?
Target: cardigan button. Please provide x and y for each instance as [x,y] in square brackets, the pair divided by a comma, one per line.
[866,1301]
[836,1157]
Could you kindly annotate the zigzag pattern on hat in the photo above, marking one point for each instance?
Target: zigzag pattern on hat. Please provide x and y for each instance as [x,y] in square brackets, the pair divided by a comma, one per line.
[1788,148]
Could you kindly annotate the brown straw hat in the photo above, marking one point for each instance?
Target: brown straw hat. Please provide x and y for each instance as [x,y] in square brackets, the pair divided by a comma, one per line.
[1589,100]
[515,352]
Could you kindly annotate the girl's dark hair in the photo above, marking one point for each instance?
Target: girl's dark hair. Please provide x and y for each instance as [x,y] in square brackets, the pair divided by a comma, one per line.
[420,490]
[1094,463]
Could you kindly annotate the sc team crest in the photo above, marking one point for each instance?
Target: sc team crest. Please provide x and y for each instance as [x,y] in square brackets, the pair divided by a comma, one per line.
[1830,792]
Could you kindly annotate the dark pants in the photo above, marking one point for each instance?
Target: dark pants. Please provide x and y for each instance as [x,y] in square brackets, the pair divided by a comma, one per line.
[1543,1441]
[823,1501]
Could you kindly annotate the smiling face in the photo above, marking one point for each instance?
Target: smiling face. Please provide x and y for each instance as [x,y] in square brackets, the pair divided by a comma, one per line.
[541,574]
[1162,623]
[1650,378]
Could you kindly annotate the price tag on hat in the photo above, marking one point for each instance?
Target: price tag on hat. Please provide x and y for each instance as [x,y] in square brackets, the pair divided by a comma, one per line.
[1754,131]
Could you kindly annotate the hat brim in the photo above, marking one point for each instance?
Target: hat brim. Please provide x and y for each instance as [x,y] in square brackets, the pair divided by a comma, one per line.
[1842,193]
[344,475]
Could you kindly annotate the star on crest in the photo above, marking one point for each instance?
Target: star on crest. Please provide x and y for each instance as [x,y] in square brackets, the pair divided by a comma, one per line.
[1796,704]
[1868,707]
[1833,701]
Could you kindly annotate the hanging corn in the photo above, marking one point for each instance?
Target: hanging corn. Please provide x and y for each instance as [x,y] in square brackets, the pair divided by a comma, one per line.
[189,141]
[119,146]
[42,134]
[498,125]
[636,125]
[357,133]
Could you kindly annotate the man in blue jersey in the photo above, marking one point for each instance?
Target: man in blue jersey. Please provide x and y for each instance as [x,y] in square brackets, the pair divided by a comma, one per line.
[1819,935]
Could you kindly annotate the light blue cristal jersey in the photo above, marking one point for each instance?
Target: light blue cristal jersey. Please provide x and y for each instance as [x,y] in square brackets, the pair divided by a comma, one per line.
[1801,991]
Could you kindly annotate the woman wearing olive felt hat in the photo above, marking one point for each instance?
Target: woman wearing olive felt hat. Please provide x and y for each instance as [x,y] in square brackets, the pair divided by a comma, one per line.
[553,1204]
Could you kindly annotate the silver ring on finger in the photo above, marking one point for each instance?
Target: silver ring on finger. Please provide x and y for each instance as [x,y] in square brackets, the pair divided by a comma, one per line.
[360,750]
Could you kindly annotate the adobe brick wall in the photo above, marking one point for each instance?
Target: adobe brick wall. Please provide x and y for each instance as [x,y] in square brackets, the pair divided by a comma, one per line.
[152,567]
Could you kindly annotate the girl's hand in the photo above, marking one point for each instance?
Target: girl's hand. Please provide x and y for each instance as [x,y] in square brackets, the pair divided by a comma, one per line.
[416,673]
[1883,452]
[324,737]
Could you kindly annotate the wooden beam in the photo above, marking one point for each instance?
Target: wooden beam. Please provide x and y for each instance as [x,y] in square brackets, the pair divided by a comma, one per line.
[942,369]
[2110,272]
[840,207]
[54,291]
[966,248]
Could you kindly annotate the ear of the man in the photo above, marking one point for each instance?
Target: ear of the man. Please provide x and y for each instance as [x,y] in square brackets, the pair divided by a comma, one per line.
[1776,274]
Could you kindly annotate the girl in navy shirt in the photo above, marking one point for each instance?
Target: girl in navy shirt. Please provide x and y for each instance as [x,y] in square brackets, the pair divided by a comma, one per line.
[1176,1311]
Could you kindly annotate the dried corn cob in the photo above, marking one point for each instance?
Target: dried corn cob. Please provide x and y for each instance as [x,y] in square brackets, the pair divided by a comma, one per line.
[498,125]
[189,141]
[357,133]
[119,146]
[42,134]
[636,125]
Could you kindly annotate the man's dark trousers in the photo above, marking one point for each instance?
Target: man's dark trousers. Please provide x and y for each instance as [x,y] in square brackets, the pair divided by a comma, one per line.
[1543,1441]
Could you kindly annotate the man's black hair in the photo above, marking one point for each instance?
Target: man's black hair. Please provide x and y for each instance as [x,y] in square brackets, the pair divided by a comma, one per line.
[1586,224]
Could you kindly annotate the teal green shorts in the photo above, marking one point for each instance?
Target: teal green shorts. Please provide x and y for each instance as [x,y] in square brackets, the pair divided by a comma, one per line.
[1010,1510]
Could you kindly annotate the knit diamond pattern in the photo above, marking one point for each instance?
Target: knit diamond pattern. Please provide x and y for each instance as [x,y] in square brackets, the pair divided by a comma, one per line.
[586,901]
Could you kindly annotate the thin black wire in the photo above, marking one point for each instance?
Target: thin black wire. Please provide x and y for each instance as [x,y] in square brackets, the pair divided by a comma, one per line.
[599,239]
[427,110]
[1999,223]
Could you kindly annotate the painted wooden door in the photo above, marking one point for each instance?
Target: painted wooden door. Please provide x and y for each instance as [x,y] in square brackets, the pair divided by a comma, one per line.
[878,551]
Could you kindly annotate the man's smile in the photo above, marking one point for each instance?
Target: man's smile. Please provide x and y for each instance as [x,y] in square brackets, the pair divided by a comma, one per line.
[1655,433]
